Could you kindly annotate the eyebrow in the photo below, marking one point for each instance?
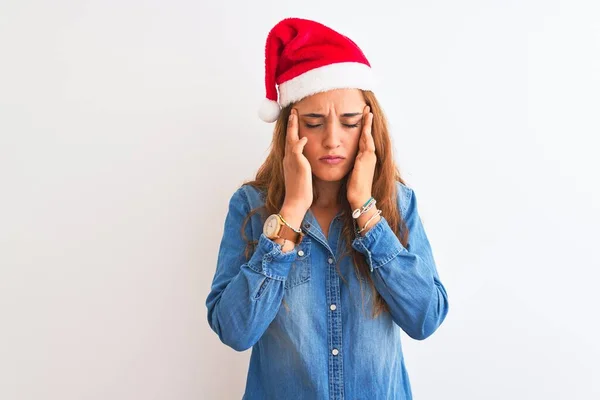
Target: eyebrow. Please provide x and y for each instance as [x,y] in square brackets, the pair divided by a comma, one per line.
[346,115]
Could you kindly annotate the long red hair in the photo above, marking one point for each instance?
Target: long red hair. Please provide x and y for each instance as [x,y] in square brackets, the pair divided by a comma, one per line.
[270,179]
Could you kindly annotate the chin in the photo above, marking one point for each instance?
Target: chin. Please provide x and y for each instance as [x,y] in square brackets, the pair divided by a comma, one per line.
[331,175]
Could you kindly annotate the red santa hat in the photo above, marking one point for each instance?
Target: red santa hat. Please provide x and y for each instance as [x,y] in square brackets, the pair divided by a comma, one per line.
[304,57]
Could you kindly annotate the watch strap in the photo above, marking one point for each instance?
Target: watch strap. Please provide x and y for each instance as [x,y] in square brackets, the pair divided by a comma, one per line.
[285,232]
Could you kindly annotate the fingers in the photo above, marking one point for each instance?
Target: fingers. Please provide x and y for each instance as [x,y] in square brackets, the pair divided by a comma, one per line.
[292,129]
[367,142]
[299,146]
[293,143]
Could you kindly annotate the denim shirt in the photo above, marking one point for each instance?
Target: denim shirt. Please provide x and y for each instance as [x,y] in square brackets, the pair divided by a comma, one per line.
[324,344]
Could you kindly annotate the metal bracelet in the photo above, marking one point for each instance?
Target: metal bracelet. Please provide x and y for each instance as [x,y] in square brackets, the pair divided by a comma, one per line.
[369,221]
[285,222]
[366,207]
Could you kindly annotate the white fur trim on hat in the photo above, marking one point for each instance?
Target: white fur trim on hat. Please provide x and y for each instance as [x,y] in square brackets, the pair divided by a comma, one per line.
[269,110]
[345,75]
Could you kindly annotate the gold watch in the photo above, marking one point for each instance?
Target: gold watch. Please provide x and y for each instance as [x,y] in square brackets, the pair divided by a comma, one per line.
[276,227]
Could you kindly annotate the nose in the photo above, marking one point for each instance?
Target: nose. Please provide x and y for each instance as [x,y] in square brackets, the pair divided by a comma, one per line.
[332,138]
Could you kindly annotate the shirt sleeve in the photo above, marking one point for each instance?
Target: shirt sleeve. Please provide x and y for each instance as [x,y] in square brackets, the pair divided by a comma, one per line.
[406,277]
[245,296]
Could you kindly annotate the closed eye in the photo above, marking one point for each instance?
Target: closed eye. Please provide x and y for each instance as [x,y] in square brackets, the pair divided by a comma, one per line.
[346,125]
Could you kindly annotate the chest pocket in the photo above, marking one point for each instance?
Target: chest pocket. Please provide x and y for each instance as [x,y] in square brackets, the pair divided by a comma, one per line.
[300,271]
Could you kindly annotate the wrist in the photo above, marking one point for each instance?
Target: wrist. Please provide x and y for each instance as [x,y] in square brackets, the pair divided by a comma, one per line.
[293,208]
[362,220]
[292,216]
[359,201]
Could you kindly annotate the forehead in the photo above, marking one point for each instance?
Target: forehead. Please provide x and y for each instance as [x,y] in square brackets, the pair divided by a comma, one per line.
[343,100]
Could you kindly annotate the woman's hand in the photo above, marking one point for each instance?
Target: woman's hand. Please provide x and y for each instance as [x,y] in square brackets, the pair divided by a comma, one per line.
[296,170]
[360,181]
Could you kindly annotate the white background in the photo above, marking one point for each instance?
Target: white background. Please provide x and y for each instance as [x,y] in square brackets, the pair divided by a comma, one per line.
[125,126]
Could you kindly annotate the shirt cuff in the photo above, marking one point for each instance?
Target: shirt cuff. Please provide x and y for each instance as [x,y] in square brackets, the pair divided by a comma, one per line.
[269,260]
[380,244]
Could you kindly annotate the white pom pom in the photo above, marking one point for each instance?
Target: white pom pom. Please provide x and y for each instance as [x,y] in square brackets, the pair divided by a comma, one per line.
[269,110]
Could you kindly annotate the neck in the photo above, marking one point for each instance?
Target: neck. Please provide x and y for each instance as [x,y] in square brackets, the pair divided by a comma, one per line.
[327,193]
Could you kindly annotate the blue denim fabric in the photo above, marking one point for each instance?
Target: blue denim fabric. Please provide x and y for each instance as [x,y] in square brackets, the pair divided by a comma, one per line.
[326,345]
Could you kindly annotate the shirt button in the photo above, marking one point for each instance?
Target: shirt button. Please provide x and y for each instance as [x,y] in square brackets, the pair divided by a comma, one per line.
[334,352]
[332,307]
[300,253]
[330,260]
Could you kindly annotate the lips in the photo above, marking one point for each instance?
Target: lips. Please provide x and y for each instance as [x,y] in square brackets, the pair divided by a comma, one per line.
[332,160]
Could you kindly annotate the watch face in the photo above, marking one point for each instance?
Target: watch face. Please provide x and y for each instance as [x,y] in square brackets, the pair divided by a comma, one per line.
[271,225]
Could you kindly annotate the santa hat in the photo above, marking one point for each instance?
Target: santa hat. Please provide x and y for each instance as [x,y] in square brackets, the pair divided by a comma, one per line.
[304,57]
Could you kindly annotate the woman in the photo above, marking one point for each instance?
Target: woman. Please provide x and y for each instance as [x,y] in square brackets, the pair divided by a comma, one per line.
[327,217]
